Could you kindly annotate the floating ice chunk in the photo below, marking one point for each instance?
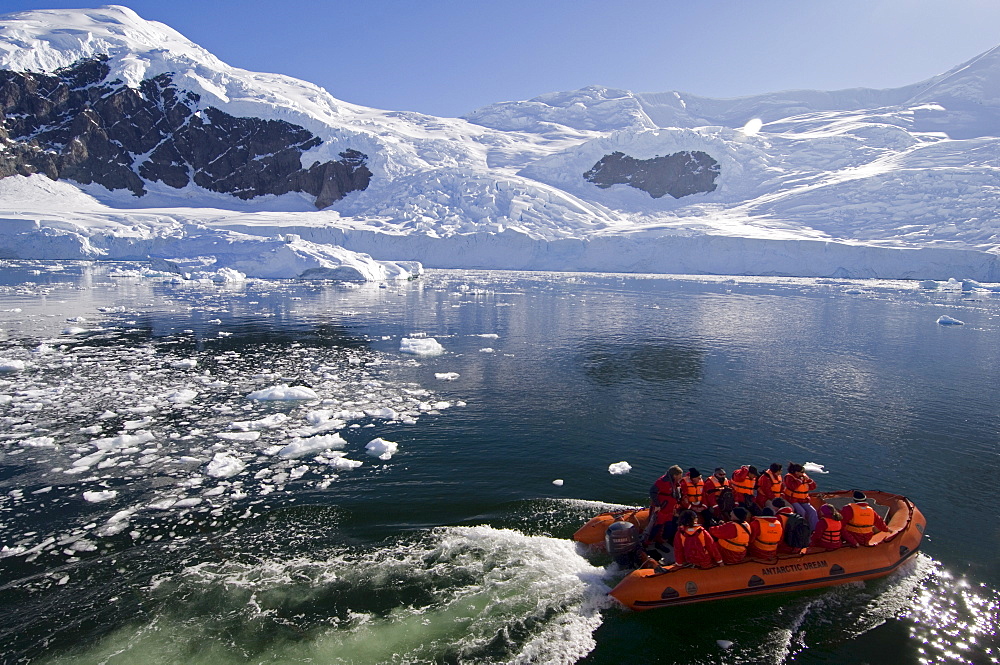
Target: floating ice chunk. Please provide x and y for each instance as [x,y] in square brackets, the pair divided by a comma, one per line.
[116,523]
[267,422]
[136,424]
[99,496]
[946,320]
[187,363]
[487,350]
[813,467]
[724,644]
[425,346]
[385,413]
[338,460]
[619,468]
[446,376]
[284,392]
[39,442]
[224,465]
[238,436]
[182,396]
[299,447]
[8,366]
[558,482]
[382,449]
[928,284]
[489,336]
[92,429]
[188,503]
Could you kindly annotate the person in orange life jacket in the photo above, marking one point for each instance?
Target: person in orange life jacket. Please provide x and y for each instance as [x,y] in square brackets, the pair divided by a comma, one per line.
[769,485]
[828,529]
[744,484]
[782,510]
[664,497]
[713,485]
[765,535]
[733,537]
[692,496]
[693,544]
[796,488]
[860,521]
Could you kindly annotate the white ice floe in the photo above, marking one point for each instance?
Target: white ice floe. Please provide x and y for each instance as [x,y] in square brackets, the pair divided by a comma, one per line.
[238,436]
[268,422]
[381,448]
[182,396]
[619,468]
[946,320]
[187,363]
[813,467]
[420,346]
[8,366]
[446,376]
[558,482]
[299,447]
[284,392]
[225,465]
[99,496]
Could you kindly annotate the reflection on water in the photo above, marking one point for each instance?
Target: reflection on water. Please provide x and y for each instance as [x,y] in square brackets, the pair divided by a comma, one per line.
[455,548]
[606,365]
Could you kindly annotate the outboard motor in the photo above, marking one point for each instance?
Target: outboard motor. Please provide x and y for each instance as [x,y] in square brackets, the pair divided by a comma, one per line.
[622,541]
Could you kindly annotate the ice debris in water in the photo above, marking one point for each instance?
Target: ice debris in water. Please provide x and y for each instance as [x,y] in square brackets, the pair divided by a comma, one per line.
[446,376]
[187,363]
[425,346]
[946,320]
[300,447]
[99,496]
[558,482]
[10,366]
[619,468]
[813,467]
[382,449]
[724,644]
[284,392]
[224,465]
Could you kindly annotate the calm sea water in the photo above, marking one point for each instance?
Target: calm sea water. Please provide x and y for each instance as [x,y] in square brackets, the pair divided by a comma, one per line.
[124,544]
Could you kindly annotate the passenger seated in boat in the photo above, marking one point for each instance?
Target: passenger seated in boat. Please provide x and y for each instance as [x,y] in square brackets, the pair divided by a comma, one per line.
[693,545]
[828,530]
[714,485]
[785,513]
[664,498]
[795,490]
[744,484]
[765,535]
[769,485]
[692,496]
[861,522]
[733,537]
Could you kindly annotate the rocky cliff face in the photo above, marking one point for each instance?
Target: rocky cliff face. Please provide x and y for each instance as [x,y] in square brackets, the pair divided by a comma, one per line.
[74,124]
[679,174]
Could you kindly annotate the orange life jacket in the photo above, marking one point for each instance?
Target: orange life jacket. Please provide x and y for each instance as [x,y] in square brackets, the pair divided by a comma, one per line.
[830,536]
[663,491]
[775,481]
[770,534]
[797,491]
[740,541]
[691,490]
[862,518]
[713,485]
[742,483]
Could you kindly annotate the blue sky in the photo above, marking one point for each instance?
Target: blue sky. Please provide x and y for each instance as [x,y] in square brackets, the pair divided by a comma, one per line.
[449,57]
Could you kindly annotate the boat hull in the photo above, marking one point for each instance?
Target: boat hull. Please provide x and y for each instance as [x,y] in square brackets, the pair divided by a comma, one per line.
[652,585]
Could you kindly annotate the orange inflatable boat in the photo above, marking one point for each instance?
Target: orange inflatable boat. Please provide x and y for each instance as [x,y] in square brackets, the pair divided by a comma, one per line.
[655,584]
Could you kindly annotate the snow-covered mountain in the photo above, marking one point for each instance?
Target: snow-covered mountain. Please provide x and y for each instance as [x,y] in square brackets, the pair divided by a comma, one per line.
[121,139]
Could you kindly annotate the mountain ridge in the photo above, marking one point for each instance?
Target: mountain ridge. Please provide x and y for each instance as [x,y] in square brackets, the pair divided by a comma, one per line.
[908,168]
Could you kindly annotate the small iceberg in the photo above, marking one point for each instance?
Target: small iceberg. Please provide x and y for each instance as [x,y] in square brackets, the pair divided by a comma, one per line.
[619,468]
[420,346]
[948,321]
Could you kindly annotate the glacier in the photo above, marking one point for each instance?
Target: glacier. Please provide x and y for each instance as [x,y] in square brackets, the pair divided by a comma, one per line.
[897,184]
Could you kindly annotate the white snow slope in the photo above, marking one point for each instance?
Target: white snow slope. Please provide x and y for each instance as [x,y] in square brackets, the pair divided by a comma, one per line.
[901,183]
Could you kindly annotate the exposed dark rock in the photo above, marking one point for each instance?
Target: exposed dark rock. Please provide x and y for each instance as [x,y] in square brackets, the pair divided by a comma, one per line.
[679,174]
[74,124]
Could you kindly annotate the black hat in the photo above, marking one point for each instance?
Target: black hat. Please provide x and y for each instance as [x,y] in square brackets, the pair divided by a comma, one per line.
[859,495]
[693,472]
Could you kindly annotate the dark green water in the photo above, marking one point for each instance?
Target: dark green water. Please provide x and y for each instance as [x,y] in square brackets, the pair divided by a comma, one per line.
[456,548]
